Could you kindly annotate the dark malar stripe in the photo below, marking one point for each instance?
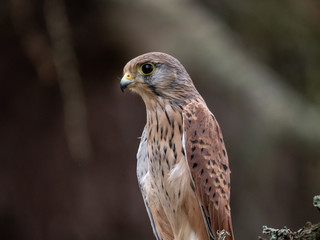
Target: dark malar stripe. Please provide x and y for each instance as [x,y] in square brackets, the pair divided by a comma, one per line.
[153,89]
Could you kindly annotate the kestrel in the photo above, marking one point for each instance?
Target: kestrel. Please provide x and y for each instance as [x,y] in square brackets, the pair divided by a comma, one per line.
[182,163]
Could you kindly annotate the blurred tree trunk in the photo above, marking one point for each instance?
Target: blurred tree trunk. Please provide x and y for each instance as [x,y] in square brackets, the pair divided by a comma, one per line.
[69,80]
[33,39]
[54,59]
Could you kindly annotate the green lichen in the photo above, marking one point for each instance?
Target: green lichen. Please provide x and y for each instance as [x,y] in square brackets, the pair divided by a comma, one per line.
[316,201]
[274,233]
[308,232]
[222,234]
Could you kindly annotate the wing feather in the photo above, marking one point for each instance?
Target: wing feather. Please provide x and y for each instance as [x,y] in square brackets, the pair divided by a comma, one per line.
[209,167]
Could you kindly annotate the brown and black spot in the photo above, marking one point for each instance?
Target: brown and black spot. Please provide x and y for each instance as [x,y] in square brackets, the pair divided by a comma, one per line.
[225,167]
[168,164]
[166,134]
[161,133]
[224,152]
[213,195]
[169,121]
[182,151]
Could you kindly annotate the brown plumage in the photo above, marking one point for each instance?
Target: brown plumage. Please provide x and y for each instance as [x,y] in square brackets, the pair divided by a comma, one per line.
[183,169]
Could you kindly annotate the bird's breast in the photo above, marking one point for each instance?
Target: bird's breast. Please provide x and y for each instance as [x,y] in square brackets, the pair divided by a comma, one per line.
[167,184]
[166,157]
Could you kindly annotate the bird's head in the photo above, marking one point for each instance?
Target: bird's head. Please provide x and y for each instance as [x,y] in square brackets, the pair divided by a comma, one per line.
[157,75]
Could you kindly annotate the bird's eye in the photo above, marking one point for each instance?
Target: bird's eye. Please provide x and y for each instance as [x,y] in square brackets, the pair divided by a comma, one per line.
[146,68]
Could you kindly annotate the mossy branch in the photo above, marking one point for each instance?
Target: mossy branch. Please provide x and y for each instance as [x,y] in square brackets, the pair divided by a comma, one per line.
[308,232]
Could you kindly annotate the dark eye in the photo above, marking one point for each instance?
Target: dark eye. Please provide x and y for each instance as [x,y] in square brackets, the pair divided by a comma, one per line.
[146,68]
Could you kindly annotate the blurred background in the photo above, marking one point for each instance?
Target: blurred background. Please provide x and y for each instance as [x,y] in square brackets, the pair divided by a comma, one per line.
[68,136]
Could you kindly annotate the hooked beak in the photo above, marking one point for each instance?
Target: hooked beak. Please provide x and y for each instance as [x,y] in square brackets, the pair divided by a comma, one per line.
[126,82]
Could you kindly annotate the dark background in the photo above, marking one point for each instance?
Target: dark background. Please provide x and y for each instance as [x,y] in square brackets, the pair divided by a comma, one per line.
[68,136]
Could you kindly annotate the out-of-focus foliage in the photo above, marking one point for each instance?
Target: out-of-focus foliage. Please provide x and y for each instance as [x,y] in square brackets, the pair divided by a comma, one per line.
[60,67]
[283,34]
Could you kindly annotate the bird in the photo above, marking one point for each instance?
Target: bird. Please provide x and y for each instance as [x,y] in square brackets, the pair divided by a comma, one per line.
[182,164]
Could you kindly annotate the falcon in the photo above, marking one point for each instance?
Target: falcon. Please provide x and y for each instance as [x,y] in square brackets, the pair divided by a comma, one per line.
[182,163]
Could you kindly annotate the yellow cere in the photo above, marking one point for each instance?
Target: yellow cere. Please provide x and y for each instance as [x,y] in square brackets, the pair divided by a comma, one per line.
[128,76]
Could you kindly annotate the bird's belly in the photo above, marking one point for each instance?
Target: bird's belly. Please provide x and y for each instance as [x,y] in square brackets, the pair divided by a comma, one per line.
[166,187]
[170,191]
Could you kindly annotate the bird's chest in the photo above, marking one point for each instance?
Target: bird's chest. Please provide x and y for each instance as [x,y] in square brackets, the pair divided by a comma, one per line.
[166,158]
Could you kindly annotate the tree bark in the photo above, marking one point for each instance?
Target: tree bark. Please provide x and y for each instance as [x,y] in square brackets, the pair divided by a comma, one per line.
[307,232]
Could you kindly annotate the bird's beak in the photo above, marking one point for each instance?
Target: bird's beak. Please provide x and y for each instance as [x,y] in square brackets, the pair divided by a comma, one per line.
[126,82]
